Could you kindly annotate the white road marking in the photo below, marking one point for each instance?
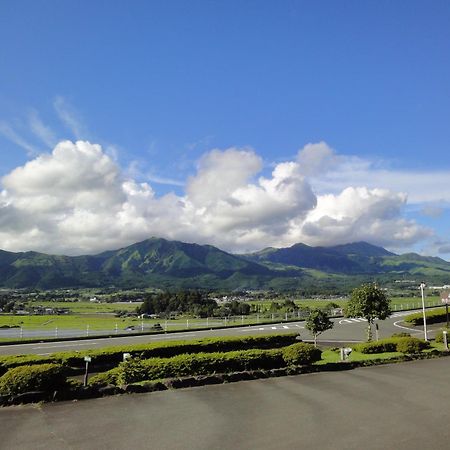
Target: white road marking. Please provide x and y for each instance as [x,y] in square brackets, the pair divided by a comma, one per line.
[274,328]
[62,345]
[396,324]
[286,327]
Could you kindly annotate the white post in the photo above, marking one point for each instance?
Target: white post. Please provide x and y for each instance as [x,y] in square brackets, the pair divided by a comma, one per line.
[56,332]
[286,317]
[422,285]
[21,332]
[117,328]
[242,320]
[444,334]
[207,322]
[142,325]
[165,325]
[187,323]
[87,330]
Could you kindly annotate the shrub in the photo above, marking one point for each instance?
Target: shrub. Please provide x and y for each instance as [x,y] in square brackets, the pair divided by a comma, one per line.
[440,336]
[434,316]
[44,377]
[113,355]
[198,364]
[8,362]
[104,378]
[301,353]
[405,344]
[381,346]
[411,345]
[401,334]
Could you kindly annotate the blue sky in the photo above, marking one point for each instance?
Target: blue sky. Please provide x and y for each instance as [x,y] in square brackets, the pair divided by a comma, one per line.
[176,93]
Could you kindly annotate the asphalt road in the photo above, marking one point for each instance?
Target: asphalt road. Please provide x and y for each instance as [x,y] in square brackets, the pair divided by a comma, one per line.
[399,406]
[344,331]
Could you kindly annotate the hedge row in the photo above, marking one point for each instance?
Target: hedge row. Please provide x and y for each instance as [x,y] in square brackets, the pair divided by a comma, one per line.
[44,377]
[207,363]
[114,355]
[397,344]
[435,316]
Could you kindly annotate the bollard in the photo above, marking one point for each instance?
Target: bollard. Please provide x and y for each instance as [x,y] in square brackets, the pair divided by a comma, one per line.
[444,335]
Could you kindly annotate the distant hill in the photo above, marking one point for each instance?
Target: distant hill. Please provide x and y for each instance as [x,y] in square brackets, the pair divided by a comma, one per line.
[167,264]
[153,262]
[355,258]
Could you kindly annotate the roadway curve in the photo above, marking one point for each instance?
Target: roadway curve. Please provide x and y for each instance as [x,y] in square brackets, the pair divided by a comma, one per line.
[345,331]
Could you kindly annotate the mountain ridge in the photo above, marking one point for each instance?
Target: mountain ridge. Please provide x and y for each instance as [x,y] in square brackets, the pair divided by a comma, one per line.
[158,262]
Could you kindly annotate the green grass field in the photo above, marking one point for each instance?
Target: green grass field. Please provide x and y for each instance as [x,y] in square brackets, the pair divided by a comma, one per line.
[88,307]
[99,316]
[397,303]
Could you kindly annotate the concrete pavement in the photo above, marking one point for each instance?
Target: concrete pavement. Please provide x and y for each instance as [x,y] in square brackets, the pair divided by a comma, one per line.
[399,406]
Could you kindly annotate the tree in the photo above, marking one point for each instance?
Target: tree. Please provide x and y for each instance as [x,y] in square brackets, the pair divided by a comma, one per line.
[370,302]
[318,322]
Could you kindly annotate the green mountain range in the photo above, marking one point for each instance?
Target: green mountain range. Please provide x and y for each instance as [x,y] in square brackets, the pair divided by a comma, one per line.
[175,265]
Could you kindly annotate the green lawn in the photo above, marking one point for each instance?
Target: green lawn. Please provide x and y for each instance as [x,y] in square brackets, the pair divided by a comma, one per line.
[88,307]
[397,303]
[330,356]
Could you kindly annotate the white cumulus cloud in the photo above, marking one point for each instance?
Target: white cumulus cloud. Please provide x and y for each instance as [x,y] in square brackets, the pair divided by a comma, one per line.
[77,200]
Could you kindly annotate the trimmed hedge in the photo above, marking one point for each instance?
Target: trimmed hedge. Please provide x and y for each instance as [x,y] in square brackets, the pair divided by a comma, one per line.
[114,355]
[104,378]
[198,364]
[301,353]
[8,362]
[435,316]
[44,377]
[405,344]
[135,370]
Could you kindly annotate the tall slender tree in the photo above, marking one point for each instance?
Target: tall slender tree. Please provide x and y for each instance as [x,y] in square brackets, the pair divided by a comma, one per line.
[370,302]
[318,322]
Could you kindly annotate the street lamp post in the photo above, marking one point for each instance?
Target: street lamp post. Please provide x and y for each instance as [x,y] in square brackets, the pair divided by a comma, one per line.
[422,286]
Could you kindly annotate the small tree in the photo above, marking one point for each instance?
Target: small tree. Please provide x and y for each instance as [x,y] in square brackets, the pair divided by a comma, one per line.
[318,322]
[370,302]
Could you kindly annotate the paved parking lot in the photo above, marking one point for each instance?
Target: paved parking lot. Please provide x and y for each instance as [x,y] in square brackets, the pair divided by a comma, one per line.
[399,406]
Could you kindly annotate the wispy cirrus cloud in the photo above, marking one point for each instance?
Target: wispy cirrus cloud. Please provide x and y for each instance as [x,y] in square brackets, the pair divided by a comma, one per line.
[70,117]
[333,172]
[42,131]
[9,133]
